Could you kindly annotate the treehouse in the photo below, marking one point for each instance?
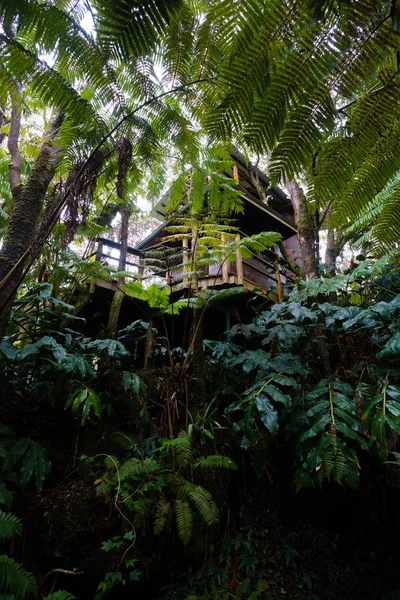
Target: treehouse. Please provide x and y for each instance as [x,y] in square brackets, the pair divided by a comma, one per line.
[264,209]
[157,258]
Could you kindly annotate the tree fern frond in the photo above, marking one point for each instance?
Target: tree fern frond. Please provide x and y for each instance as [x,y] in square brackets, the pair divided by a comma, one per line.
[129,30]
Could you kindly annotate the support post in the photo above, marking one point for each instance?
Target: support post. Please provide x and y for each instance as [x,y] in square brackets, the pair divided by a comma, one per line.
[239,262]
[99,250]
[225,264]
[185,249]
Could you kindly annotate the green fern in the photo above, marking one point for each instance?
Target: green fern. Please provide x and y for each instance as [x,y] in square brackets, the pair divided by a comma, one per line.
[215,461]
[60,595]
[162,514]
[9,525]
[15,580]
[184,520]
[125,440]
[334,465]
[205,505]
[182,448]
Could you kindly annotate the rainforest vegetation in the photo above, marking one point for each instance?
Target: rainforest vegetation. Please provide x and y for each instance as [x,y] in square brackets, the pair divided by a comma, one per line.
[191,444]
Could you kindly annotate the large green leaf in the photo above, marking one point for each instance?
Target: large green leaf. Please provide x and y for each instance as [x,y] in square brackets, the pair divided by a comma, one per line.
[268,414]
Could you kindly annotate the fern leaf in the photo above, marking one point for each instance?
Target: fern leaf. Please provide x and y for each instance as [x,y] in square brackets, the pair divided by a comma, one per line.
[215,462]
[162,514]
[9,525]
[60,595]
[15,579]
[182,447]
[125,440]
[205,505]
[35,462]
[184,520]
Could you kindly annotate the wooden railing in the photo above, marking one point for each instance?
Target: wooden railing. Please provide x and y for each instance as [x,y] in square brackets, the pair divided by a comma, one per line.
[260,271]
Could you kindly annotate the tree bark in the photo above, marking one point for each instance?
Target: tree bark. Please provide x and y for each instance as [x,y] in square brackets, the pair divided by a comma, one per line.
[28,203]
[331,254]
[305,230]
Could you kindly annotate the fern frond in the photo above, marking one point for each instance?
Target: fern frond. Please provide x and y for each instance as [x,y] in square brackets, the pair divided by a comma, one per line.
[162,514]
[125,440]
[204,504]
[9,525]
[134,467]
[14,579]
[182,447]
[60,595]
[184,520]
[215,462]
[334,464]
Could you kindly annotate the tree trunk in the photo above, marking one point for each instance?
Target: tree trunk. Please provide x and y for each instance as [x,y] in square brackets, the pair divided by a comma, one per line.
[334,246]
[28,203]
[305,230]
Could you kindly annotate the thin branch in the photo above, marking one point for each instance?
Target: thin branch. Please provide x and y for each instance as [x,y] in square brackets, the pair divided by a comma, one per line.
[371,92]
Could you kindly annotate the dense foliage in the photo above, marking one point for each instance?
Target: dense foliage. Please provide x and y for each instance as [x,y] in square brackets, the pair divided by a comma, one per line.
[170,441]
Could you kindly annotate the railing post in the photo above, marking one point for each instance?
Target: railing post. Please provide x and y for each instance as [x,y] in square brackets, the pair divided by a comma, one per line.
[225,264]
[239,262]
[185,249]
[141,267]
[99,250]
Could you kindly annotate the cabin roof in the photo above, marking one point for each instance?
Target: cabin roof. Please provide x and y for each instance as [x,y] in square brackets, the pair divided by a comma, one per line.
[273,214]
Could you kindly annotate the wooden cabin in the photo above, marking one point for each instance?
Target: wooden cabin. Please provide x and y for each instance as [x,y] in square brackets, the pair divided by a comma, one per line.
[265,209]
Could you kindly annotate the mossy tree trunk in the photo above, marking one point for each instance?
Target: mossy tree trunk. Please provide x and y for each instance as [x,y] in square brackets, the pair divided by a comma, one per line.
[28,199]
[305,230]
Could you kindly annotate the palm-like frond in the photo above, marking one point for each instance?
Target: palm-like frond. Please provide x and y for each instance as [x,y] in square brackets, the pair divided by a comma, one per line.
[9,525]
[162,514]
[130,29]
[184,520]
[14,579]
[60,595]
[204,504]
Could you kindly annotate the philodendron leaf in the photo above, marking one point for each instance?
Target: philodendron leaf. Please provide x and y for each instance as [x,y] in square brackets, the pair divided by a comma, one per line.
[391,347]
[36,463]
[268,414]
[87,399]
[131,381]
